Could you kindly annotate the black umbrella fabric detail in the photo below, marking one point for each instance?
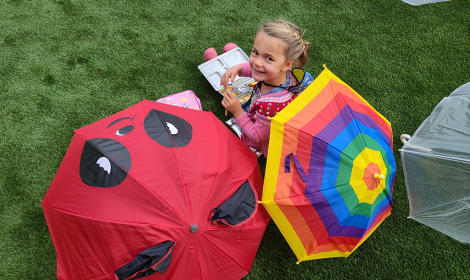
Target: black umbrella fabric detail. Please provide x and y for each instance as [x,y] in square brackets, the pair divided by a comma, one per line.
[155,259]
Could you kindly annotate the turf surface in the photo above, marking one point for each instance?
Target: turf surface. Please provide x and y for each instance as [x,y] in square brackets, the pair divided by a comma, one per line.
[402,59]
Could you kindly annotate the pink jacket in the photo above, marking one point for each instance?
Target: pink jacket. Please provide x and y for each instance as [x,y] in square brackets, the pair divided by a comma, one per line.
[255,124]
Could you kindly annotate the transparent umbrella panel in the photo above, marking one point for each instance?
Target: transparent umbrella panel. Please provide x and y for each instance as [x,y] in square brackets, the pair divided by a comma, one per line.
[436,165]
[439,192]
[421,2]
[462,90]
[447,130]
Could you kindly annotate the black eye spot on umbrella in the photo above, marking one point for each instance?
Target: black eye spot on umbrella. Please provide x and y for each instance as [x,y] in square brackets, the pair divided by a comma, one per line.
[237,209]
[147,262]
[168,130]
[123,131]
[104,163]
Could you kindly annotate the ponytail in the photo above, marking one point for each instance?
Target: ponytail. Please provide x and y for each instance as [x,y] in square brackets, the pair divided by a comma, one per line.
[301,61]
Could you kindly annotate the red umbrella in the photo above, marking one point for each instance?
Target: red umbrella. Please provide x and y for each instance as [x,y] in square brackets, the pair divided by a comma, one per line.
[156,191]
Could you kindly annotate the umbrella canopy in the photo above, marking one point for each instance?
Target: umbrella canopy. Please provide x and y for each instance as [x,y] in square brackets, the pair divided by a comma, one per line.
[421,2]
[156,191]
[436,165]
[330,170]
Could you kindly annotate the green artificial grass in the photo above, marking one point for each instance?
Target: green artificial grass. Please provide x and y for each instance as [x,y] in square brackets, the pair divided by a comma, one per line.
[402,59]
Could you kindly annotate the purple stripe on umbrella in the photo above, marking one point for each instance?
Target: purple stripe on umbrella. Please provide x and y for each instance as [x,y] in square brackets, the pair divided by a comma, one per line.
[317,162]
[344,117]
[329,219]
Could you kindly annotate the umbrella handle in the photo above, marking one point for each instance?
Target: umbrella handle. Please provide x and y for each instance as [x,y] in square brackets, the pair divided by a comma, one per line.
[405,137]
[297,164]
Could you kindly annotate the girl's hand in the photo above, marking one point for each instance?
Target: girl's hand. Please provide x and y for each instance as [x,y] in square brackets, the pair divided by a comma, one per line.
[231,103]
[230,74]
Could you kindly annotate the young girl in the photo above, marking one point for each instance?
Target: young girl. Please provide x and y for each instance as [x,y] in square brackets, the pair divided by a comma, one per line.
[278,46]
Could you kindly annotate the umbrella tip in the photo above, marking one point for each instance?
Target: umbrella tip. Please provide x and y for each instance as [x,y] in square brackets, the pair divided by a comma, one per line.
[324,66]
[297,263]
[379,176]
[259,202]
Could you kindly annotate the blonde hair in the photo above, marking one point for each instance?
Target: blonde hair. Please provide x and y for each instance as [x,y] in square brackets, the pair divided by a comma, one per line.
[296,48]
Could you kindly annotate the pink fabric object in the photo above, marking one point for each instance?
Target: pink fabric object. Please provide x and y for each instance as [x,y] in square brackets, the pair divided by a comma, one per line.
[246,71]
[229,46]
[185,99]
[209,54]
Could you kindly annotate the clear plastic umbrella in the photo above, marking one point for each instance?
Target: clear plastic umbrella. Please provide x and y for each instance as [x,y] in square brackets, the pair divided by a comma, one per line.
[421,2]
[436,164]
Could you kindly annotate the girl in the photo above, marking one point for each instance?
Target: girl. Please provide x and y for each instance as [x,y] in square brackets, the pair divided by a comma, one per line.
[277,47]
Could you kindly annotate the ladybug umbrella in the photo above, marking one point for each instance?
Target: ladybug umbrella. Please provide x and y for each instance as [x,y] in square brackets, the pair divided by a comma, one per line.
[330,170]
[156,191]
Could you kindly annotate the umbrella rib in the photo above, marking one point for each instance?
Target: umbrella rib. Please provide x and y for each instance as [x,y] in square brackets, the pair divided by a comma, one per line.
[244,225]
[184,182]
[327,144]
[149,189]
[300,195]
[460,160]
[197,257]
[202,236]
[333,147]
[448,203]
[215,177]
[179,168]
[176,261]
[355,120]
[107,220]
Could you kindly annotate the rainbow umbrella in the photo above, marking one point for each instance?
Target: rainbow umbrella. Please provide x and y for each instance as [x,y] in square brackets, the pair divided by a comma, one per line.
[330,170]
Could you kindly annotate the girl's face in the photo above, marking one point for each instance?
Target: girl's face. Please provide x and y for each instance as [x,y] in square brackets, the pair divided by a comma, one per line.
[267,60]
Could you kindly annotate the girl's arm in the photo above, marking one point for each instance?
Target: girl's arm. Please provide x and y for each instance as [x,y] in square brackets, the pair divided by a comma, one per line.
[256,131]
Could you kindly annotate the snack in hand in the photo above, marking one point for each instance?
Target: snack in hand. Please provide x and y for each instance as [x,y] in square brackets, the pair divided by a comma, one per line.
[252,84]
[230,88]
